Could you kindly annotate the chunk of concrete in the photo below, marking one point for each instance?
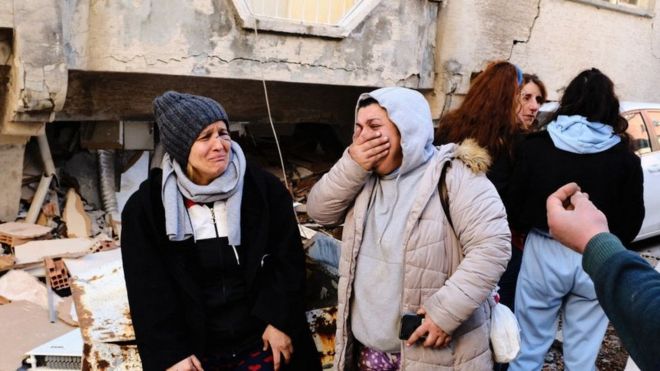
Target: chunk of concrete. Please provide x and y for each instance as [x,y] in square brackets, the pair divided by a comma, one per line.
[36,251]
[19,285]
[16,233]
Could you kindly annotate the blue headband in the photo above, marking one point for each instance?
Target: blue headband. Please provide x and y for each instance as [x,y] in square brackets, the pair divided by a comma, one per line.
[519,72]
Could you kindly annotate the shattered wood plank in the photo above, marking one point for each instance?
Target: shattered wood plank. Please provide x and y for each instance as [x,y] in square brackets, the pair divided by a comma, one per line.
[78,223]
[36,251]
[99,292]
[17,233]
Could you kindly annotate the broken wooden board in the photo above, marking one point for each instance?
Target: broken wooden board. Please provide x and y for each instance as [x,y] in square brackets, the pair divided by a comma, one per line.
[29,327]
[36,251]
[17,233]
[78,223]
[99,292]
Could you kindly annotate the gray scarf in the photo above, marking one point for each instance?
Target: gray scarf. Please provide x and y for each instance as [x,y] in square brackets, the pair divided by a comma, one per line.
[228,186]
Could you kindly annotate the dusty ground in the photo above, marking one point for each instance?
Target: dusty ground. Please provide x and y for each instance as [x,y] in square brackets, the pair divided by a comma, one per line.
[612,356]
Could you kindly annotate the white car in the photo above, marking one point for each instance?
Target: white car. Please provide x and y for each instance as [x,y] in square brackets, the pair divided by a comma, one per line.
[644,128]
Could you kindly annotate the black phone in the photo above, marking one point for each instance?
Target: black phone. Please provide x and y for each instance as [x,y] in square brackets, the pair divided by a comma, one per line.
[409,323]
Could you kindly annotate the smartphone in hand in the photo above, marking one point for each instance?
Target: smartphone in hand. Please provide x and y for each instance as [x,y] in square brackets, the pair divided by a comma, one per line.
[409,323]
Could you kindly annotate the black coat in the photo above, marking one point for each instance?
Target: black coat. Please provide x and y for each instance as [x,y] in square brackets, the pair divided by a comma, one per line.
[613,179]
[166,306]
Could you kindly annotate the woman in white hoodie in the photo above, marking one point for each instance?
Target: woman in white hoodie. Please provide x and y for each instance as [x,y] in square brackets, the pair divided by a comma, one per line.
[399,254]
[585,143]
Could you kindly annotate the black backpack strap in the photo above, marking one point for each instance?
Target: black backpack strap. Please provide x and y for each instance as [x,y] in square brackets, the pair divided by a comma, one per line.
[444,194]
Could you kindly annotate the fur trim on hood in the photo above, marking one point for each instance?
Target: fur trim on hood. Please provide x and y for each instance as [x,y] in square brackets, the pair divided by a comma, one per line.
[473,155]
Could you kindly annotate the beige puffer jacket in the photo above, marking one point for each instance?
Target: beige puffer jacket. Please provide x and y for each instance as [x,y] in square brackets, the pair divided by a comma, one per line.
[452,283]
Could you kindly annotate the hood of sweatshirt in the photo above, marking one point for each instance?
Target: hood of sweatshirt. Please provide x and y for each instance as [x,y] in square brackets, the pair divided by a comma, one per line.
[578,135]
[410,112]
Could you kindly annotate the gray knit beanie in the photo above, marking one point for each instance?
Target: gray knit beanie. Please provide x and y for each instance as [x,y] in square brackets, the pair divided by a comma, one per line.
[181,117]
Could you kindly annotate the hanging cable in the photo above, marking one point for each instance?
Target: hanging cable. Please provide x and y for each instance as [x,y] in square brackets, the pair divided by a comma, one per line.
[270,117]
[272,125]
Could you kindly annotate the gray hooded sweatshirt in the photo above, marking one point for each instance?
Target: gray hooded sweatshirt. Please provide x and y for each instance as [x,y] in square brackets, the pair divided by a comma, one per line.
[376,307]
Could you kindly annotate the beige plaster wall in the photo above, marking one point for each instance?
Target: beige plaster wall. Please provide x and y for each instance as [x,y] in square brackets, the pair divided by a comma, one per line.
[555,39]
[6,14]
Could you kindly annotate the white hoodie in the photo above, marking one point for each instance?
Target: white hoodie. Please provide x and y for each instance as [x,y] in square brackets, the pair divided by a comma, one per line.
[378,285]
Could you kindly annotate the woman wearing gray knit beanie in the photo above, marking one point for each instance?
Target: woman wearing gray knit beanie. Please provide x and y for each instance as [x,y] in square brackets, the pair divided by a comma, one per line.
[213,261]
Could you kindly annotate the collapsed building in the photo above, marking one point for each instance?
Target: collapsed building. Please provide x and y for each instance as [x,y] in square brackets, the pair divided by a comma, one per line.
[78,77]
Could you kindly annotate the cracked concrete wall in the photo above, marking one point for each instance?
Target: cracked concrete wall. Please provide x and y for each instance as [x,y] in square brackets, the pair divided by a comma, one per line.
[37,78]
[555,39]
[394,45]
[569,37]
[34,79]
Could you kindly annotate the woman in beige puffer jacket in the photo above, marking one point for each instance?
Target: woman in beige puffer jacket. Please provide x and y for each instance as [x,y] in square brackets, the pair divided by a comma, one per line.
[452,279]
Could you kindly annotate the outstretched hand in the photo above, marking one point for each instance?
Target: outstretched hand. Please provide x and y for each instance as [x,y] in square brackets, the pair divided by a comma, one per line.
[435,336]
[573,219]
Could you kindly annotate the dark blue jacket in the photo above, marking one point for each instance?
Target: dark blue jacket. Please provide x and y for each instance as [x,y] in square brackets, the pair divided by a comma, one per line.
[628,289]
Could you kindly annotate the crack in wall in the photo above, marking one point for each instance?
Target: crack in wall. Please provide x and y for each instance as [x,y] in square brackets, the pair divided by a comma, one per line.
[531,29]
[452,68]
[283,61]
[228,61]
[128,60]
[651,37]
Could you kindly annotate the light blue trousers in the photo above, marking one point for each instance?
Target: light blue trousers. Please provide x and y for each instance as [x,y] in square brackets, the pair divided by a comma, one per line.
[552,279]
